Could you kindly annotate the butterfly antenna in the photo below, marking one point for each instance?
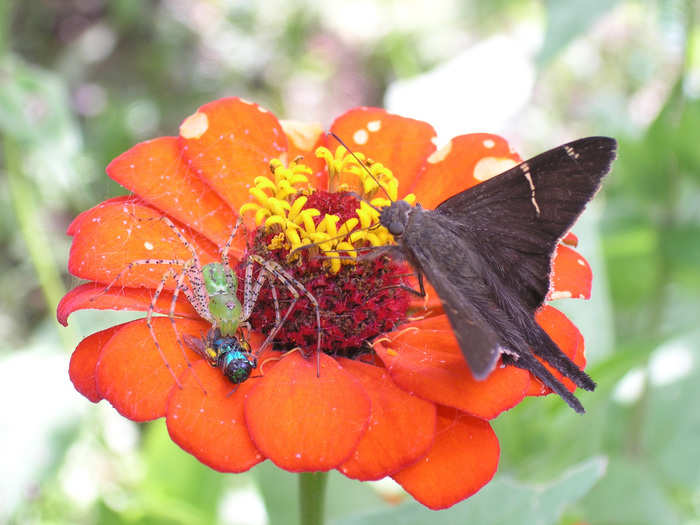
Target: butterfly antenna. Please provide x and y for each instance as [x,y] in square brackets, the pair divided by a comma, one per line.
[336,137]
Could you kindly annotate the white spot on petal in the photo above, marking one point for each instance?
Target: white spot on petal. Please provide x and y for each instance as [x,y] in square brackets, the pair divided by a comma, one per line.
[303,135]
[360,137]
[491,166]
[194,126]
[488,143]
[581,262]
[439,155]
[374,125]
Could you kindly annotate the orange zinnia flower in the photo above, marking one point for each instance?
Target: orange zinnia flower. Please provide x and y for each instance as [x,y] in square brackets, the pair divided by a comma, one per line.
[392,395]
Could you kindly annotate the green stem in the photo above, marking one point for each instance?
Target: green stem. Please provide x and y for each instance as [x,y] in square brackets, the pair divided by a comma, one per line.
[312,497]
[28,212]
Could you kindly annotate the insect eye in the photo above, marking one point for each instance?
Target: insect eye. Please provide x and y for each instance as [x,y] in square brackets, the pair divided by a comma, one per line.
[395,228]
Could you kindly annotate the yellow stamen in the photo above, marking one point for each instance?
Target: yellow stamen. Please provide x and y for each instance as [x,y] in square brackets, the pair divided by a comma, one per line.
[279,201]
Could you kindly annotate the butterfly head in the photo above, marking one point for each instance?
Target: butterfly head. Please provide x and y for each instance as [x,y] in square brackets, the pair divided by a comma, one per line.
[395,217]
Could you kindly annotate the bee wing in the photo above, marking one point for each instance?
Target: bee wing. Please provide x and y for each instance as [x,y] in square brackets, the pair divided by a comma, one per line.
[516,218]
[195,343]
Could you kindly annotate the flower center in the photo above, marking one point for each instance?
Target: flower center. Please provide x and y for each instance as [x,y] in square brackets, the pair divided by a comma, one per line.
[326,240]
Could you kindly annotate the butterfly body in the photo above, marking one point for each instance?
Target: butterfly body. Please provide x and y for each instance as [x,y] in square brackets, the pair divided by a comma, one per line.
[488,253]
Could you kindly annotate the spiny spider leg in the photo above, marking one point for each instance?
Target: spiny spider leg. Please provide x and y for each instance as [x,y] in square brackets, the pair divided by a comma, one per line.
[180,285]
[294,286]
[229,241]
[193,266]
[167,275]
[196,282]
[270,337]
[139,262]
[251,294]
[276,302]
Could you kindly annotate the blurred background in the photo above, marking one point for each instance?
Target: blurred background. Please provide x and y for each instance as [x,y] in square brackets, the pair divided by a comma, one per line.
[83,80]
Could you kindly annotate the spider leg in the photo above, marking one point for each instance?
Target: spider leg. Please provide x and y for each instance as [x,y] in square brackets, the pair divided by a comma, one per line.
[180,285]
[294,287]
[249,303]
[140,262]
[252,292]
[227,246]
[167,275]
[194,272]
[278,325]
[275,301]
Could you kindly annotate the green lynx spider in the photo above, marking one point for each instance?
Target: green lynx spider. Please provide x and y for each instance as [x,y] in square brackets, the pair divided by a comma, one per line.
[211,290]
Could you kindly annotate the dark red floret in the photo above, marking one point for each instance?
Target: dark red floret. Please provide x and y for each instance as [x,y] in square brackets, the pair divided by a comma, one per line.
[358,303]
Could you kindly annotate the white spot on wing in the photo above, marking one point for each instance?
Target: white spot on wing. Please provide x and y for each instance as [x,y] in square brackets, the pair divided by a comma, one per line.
[526,171]
[488,143]
[148,245]
[571,152]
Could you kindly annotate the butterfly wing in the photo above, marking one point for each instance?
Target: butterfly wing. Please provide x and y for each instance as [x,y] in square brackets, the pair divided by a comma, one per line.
[430,245]
[516,218]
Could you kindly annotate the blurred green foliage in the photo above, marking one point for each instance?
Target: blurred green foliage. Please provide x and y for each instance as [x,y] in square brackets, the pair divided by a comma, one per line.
[83,80]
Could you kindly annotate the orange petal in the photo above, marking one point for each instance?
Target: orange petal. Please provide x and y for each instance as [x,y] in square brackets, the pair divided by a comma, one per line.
[303,421]
[83,363]
[464,162]
[302,139]
[93,296]
[463,459]
[401,144]
[228,143]
[424,358]
[111,235]
[570,239]
[568,338]
[571,275]
[401,426]
[155,171]
[424,306]
[212,426]
[90,214]
[133,376]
